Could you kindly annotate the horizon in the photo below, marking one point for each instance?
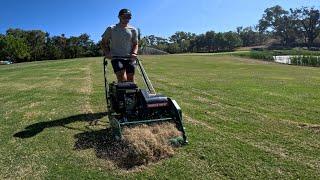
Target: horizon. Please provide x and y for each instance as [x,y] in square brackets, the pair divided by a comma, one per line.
[163,19]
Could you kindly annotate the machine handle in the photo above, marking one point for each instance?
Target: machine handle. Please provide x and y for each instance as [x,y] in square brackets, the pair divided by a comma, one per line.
[106,85]
[145,78]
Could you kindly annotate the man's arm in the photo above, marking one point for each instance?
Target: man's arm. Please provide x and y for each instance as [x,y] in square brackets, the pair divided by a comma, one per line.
[106,43]
[135,46]
[106,48]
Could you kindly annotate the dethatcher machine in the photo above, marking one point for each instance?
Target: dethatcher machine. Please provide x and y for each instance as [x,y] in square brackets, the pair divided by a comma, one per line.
[128,105]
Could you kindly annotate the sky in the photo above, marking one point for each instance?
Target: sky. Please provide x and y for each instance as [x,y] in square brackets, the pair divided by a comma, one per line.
[153,17]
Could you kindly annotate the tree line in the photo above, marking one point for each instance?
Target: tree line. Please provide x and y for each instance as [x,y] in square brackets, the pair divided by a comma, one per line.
[34,45]
[211,41]
[296,26]
[287,28]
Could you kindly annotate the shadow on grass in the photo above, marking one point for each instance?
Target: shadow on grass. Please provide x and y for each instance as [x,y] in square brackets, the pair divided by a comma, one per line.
[36,128]
[120,153]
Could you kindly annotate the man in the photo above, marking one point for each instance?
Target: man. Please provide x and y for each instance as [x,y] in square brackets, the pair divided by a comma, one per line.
[120,44]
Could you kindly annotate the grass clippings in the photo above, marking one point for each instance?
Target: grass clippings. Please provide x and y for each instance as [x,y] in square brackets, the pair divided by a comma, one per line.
[140,145]
[149,143]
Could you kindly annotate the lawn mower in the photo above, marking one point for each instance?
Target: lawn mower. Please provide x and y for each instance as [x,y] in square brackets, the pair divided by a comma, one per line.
[129,105]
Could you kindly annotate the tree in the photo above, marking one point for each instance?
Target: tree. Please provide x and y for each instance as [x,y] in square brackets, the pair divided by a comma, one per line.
[281,23]
[154,42]
[199,44]
[13,48]
[36,40]
[173,48]
[87,46]
[233,40]
[183,40]
[220,41]
[53,51]
[94,49]
[308,22]
[209,42]
[17,33]
[249,36]
[56,47]
[73,49]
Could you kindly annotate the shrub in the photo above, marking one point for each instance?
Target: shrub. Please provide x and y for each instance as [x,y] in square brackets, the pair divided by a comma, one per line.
[263,55]
[298,57]
[306,60]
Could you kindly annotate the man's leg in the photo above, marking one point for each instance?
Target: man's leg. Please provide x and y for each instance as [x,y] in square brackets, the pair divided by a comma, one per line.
[130,70]
[119,70]
[130,77]
[121,76]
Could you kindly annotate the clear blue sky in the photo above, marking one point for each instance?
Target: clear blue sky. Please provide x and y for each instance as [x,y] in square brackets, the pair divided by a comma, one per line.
[159,17]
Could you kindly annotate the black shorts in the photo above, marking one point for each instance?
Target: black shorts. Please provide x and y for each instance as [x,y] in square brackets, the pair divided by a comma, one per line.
[119,64]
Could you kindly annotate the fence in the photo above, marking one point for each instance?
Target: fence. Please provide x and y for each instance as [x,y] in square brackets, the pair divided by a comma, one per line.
[303,60]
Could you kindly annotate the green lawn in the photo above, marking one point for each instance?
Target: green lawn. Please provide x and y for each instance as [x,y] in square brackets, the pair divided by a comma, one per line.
[244,119]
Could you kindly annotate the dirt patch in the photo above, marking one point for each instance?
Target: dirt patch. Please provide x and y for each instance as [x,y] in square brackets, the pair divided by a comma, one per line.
[312,127]
[31,115]
[197,122]
[87,82]
[141,145]
[87,90]
[206,101]
[269,148]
